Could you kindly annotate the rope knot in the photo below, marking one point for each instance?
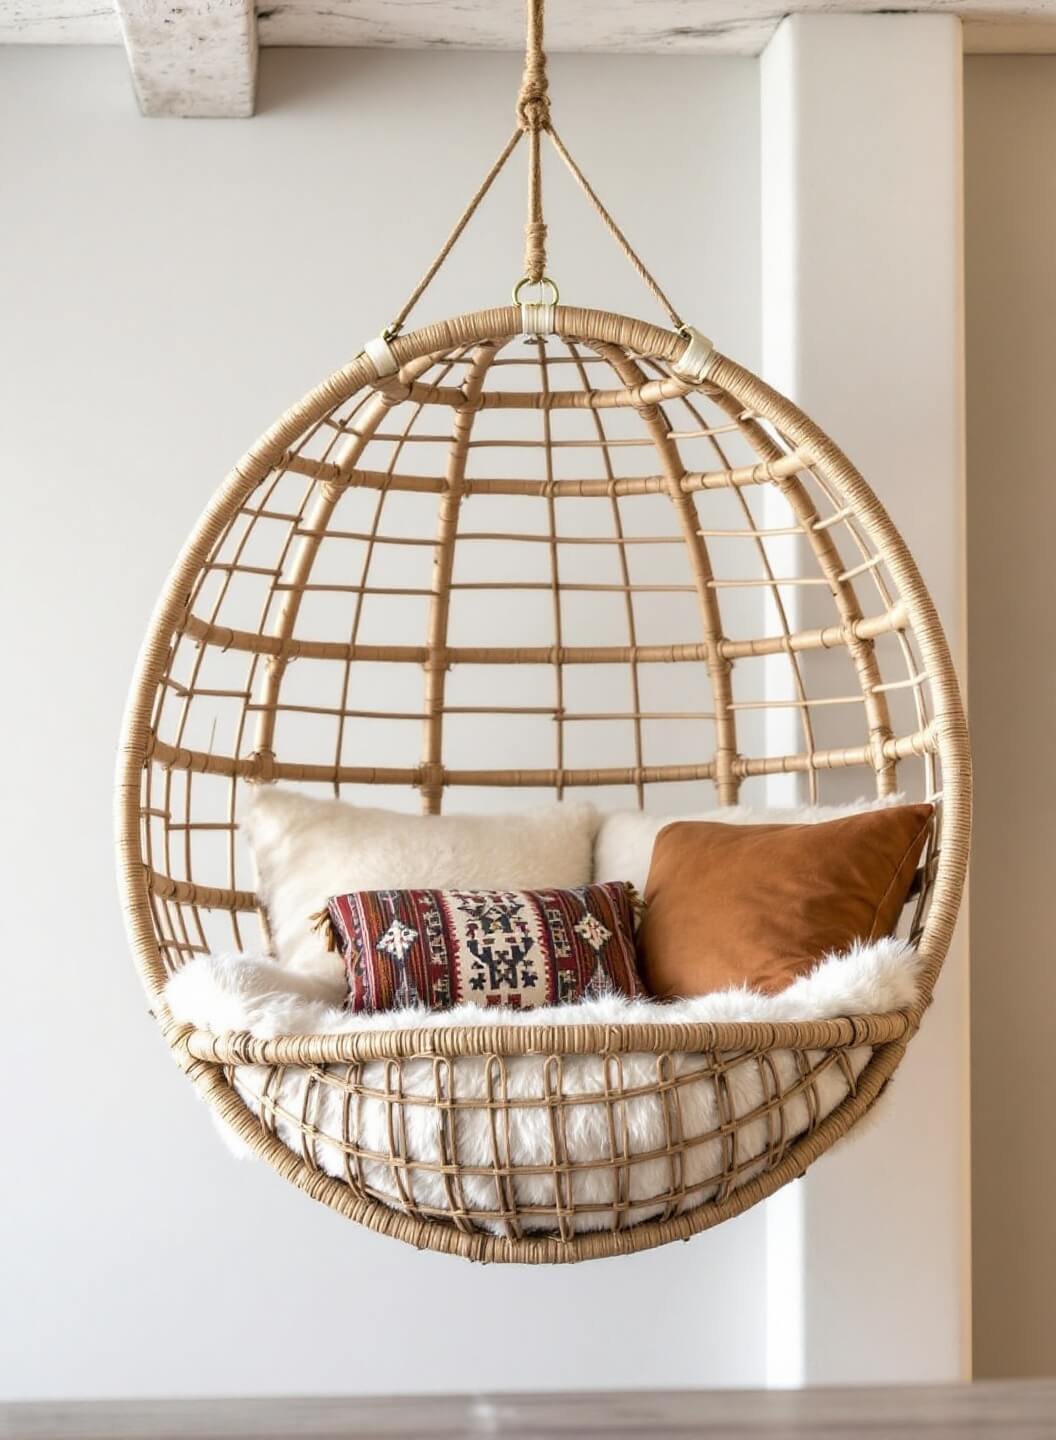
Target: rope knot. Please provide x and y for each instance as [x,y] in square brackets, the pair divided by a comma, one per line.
[533,103]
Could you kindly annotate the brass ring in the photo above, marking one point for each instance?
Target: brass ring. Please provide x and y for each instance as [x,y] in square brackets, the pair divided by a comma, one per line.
[543,280]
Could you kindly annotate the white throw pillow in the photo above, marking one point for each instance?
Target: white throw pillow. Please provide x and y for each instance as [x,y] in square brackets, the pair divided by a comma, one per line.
[624,846]
[306,850]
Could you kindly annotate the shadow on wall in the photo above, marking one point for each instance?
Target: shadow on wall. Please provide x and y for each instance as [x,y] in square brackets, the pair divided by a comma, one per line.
[314,78]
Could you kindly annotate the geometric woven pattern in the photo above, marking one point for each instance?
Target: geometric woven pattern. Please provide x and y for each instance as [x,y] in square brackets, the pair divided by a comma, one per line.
[625,1139]
[438,948]
[549,567]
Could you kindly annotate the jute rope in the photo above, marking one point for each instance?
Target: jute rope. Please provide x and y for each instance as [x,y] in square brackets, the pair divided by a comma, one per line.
[452,239]
[533,119]
[637,263]
[533,116]
[533,102]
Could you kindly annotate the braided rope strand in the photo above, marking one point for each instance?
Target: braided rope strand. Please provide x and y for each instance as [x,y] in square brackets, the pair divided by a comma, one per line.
[533,116]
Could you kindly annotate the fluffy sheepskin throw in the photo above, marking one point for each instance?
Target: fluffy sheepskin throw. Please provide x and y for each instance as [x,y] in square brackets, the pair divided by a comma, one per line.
[305,850]
[225,993]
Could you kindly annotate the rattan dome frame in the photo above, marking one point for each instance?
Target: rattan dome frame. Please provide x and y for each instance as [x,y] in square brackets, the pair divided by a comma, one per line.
[170,906]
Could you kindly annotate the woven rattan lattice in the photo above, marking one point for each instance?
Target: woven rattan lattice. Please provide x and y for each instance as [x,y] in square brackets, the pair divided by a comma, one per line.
[618,565]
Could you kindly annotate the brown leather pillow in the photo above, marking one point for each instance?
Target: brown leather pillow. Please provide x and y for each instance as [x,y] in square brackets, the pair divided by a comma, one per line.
[761,904]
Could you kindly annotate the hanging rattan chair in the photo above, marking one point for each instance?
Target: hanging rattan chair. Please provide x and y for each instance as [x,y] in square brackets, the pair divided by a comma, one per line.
[573,510]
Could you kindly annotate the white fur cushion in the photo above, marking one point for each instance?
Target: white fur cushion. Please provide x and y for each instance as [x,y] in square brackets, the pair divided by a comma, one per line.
[623,849]
[225,993]
[236,993]
[306,850]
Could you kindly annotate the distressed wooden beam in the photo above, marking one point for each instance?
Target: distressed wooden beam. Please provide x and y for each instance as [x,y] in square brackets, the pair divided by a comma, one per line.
[199,57]
[676,27]
[669,27]
[58,22]
[192,58]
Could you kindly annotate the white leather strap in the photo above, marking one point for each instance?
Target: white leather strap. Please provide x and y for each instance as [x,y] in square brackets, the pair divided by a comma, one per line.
[537,319]
[380,356]
[695,359]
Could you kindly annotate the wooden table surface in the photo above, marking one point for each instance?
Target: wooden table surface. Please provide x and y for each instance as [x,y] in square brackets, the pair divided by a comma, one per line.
[1021,1410]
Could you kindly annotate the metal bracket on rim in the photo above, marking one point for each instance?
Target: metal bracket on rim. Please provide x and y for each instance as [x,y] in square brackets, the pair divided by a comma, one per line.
[695,360]
[380,355]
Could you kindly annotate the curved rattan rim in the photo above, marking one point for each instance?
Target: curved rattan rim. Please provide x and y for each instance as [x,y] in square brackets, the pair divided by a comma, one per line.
[204,1056]
[454,1041]
[539,1250]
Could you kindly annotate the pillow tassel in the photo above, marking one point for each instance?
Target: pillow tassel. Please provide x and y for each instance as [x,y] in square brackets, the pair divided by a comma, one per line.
[637,904]
[322,924]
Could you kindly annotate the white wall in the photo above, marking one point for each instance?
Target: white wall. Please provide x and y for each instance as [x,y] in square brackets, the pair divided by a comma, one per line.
[167,288]
[1010,106]
[863,306]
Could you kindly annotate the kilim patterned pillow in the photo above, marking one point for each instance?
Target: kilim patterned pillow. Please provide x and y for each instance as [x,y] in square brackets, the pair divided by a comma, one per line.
[516,948]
